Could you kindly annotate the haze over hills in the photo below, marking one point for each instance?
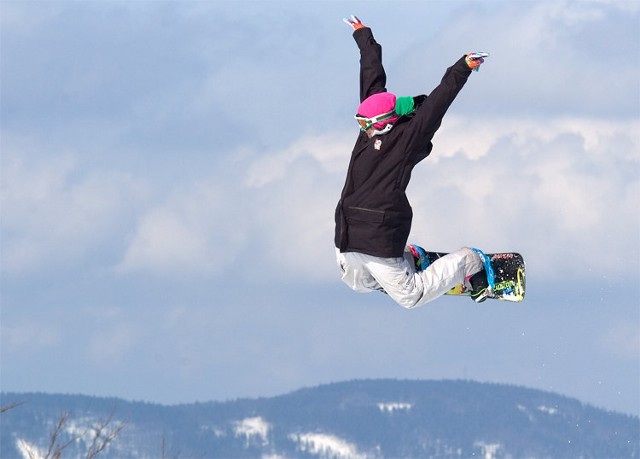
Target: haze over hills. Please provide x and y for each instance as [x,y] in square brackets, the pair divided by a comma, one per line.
[355,419]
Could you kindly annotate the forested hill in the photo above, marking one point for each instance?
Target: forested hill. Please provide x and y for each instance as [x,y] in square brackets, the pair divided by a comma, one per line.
[356,419]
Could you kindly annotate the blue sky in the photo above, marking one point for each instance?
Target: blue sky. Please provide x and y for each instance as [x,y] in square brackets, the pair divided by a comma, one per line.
[170,171]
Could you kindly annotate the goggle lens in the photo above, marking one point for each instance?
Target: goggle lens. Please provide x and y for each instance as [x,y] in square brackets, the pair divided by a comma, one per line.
[365,123]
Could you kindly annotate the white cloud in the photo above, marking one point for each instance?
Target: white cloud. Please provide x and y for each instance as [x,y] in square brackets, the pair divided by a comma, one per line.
[278,215]
[559,190]
[163,240]
[54,212]
[549,188]
[330,151]
[199,229]
[475,136]
[295,192]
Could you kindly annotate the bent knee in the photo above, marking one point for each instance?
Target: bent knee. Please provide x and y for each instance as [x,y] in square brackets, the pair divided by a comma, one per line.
[410,292]
[407,303]
[408,299]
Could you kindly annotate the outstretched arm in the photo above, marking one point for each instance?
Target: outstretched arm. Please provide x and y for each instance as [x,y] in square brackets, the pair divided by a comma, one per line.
[373,79]
[429,115]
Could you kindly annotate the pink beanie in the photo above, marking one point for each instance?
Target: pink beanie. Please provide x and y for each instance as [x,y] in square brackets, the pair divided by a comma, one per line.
[377,104]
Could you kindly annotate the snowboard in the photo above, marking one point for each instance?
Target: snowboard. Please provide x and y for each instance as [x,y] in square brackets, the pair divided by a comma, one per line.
[510,279]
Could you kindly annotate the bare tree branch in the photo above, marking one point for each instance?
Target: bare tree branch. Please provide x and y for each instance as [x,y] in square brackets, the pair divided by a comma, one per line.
[103,434]
[55,450]
[10,406]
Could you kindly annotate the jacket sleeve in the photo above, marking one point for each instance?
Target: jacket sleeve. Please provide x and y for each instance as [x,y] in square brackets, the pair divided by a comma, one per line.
[429,115]
[372,76]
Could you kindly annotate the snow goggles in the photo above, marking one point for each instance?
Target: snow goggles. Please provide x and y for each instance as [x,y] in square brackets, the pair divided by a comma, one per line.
[365,123]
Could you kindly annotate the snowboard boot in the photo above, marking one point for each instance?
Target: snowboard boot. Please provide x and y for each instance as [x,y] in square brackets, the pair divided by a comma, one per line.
[420,258]
[479,286]
[482,282]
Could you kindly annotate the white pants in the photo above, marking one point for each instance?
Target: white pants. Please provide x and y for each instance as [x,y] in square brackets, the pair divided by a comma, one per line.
[400,280]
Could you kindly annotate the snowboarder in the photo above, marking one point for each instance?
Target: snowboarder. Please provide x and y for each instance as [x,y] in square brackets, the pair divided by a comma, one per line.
[373,216]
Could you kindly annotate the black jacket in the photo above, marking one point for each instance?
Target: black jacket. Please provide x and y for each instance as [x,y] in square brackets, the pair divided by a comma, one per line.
[373,215]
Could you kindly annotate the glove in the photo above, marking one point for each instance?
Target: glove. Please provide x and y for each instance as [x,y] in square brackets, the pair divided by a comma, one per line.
[474,60]
[354,22]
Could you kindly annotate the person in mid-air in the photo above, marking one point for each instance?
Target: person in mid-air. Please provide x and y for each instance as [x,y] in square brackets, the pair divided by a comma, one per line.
[373,216]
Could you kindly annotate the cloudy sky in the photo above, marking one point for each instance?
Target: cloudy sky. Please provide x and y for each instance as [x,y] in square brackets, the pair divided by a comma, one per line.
[170,171]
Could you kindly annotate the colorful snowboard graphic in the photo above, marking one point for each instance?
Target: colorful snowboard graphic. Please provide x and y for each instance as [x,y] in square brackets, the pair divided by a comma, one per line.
[510,279]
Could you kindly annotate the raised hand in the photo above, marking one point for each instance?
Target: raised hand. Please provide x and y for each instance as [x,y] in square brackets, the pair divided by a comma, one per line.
[475,59]
[354,22]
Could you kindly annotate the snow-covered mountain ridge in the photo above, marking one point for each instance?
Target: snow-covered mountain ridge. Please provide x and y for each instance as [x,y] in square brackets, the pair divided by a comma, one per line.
[369,419]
